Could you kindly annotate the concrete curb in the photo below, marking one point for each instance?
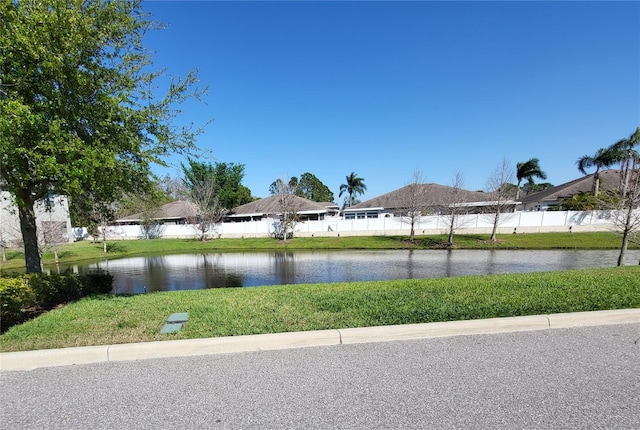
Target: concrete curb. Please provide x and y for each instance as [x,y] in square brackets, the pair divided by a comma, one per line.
[29,360]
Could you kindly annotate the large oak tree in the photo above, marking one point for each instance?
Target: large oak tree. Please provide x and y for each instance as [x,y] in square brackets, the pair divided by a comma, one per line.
[78,111]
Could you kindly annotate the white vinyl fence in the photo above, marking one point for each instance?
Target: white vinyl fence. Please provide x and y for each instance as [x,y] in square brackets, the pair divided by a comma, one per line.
[516,222]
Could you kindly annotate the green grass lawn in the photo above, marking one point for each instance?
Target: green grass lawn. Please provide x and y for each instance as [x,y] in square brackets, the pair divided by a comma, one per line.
[86,251]
[238,311]
[231,312]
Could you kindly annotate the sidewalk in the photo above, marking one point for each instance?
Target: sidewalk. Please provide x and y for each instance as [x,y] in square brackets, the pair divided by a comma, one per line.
[29,360]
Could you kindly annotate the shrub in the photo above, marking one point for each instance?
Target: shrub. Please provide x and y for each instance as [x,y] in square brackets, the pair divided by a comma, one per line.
[26,296]
[54,289]
[96,283]
[15,297]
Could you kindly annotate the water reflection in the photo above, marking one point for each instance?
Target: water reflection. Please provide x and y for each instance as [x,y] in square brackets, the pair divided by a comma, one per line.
[198,271]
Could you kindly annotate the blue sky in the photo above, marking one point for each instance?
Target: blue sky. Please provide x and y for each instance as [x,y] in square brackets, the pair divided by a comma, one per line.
[384,88]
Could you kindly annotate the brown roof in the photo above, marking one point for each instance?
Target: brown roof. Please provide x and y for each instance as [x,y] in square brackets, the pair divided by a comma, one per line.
[174,210]
[271,206]
[434,195]
[609,180]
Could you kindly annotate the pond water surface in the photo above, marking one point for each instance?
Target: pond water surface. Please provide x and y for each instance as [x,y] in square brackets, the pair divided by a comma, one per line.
[246,269]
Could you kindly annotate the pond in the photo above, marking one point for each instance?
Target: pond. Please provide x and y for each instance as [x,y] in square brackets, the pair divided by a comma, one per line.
[246,269]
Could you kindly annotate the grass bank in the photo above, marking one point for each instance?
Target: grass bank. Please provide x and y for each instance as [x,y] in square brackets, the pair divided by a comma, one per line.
[87,251]
[231,312]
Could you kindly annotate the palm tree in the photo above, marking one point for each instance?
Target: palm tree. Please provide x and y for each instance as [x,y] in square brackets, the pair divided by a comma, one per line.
[528,170]
[354,186]
[623,152]
[604,157]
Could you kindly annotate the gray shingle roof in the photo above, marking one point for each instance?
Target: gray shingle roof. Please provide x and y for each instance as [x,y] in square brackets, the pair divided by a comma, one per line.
[271,206]
[174,210]
[434,195]
[609,180]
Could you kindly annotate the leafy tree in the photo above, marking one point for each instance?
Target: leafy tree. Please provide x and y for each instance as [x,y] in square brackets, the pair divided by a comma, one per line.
[354,186]
[225,177]
[534,188]
[196,174]
[214,190]
[311,188]
[528,170]
[244,195]
[77,110]
[231,193]
[580,202]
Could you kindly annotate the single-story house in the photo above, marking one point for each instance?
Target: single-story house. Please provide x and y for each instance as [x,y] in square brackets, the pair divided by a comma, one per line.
[432,197]
[172,213]
[551,198]
[180,211]
[269,207]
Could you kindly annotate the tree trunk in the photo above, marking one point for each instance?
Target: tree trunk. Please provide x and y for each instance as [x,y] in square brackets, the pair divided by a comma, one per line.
[626,176]
[496,221]
[451,228]
[623,249]
[412,224]
[284,227]
[625,235]
[32,258]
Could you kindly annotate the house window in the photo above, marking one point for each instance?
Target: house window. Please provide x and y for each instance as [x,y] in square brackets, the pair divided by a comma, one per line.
[50,201]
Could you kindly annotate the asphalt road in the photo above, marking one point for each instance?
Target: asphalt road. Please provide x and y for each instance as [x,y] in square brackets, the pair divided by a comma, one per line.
[583,378]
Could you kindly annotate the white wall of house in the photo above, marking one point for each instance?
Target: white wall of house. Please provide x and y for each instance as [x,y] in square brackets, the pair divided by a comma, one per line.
[58,215]
[515,222]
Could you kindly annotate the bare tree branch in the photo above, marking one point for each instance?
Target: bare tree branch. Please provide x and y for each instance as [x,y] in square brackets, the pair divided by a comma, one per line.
[287,199]
[501,193]
[453,207]
[209,211]
[413,202]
